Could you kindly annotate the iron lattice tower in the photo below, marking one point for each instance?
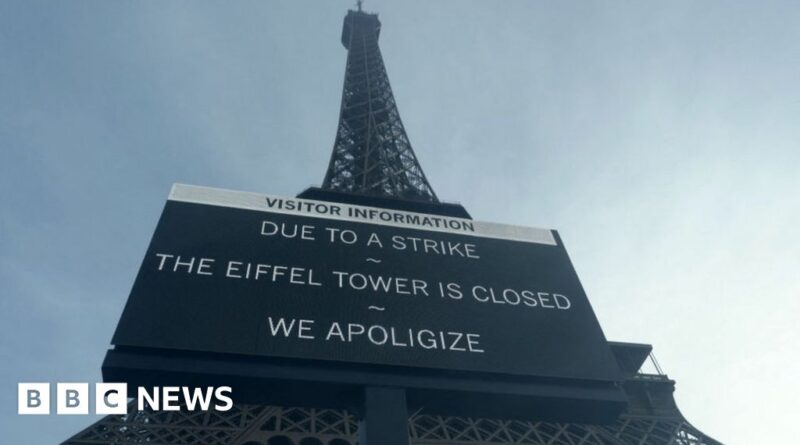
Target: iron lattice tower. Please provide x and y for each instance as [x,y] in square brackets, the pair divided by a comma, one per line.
[372,154]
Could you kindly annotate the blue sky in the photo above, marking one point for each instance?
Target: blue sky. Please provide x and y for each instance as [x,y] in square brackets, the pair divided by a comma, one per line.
[659,138]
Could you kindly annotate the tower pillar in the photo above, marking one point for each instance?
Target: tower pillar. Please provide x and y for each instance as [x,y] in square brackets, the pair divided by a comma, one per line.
[383,418]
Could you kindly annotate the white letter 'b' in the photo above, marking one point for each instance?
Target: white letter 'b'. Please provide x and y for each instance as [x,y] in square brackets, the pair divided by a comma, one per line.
[33,398]
[72,398]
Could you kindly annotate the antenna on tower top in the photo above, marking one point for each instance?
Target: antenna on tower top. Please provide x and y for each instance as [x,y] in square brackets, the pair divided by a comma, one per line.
[358,3]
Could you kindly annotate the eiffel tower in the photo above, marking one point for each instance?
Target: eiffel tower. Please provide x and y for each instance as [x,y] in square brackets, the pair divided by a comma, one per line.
[373,163]
[372,154]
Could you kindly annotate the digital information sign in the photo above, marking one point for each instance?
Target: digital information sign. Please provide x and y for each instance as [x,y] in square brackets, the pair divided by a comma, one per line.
[245,273]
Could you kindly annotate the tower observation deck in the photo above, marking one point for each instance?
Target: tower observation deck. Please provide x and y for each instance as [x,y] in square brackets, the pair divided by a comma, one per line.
[372,163]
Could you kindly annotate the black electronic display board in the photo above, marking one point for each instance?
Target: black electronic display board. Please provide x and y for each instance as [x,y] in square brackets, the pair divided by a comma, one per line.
[245,273]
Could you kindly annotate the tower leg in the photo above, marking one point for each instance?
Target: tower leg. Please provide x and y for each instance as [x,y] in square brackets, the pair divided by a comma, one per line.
[384,417]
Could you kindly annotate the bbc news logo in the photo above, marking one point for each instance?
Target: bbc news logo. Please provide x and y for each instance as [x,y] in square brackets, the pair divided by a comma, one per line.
[112,398]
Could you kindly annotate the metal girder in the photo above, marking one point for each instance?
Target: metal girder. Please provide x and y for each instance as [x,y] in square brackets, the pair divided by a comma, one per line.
[651,418]
[269,425]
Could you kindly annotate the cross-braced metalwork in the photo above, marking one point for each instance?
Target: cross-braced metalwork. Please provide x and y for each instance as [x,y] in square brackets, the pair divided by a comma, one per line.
[658,422]
[372,154]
